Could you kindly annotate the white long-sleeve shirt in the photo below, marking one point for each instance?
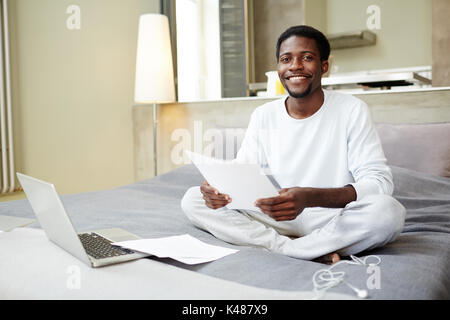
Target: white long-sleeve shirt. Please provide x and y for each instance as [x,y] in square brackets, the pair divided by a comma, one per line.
[336,146]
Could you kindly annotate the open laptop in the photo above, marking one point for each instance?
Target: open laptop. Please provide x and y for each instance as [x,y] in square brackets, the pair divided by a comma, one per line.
[93,247]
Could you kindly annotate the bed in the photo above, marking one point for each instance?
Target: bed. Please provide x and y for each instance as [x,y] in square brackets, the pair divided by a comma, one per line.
[415,266]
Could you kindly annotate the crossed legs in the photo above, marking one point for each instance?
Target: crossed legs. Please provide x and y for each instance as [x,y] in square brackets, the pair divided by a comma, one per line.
[366,224]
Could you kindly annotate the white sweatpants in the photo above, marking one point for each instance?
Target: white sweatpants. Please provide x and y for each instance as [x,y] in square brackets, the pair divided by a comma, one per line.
[362,225]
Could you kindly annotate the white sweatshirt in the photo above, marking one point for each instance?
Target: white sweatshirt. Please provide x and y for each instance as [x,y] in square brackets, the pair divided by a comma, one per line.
[336,146]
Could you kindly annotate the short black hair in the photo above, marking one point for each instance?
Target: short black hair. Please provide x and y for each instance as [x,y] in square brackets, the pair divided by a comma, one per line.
[309,32]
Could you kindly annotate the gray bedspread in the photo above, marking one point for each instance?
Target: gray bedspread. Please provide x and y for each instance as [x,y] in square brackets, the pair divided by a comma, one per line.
[415,266]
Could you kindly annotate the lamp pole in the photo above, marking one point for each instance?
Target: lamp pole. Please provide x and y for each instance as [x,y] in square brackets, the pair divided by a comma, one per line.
[155,130]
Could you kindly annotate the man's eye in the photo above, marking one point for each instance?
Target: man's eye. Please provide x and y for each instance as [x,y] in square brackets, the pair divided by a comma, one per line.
[307,58]
[284,59]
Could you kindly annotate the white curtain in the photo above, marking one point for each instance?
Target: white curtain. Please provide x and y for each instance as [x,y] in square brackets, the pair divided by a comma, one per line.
[198,50]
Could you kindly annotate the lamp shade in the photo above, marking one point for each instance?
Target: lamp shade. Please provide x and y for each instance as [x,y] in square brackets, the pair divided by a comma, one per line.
[154,68]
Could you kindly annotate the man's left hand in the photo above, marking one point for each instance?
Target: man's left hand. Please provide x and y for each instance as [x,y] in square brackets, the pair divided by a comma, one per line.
[286,206]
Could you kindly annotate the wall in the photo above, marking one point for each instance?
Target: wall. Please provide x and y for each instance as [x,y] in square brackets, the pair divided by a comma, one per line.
[73,91]
[404,39]
[316,14]
[195,118]
[270,19]
[175,116]
[441,42]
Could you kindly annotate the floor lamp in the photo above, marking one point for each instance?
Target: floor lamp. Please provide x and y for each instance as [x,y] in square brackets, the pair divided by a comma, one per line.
[154,82]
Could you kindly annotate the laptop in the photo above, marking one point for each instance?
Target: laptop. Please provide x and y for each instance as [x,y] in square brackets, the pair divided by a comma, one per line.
[93,247]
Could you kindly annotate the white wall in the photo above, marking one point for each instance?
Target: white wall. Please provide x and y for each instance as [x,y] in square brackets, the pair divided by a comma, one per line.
[73,91]
[404,39]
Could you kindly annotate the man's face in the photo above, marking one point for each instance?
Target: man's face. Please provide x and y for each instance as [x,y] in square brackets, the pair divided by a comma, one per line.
[299,66]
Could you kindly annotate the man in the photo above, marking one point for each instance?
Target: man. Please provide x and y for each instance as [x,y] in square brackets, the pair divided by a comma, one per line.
[323,150]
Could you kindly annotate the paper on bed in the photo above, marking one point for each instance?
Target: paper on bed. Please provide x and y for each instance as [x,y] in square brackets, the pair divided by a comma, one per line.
[184,248]
[7,223]
[244,183]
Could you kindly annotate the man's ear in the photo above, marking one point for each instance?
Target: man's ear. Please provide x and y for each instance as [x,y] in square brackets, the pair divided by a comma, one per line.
[325,66]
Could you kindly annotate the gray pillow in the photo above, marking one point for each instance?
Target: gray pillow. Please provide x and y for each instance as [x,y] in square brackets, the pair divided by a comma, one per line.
[421,147]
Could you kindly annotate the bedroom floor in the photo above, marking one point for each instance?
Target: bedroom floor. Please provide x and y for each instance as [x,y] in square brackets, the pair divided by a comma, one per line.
[18,195]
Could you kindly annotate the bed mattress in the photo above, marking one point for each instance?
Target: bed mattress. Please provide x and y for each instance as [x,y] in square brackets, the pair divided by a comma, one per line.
[415,266]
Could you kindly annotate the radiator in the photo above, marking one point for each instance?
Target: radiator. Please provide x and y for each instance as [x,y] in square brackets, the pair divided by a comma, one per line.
[7,177]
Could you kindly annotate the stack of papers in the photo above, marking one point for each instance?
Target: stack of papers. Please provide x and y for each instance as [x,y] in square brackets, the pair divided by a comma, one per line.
[183,248]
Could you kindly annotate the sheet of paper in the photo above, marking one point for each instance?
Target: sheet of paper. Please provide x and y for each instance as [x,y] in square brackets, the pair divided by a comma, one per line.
[7,223]
[244,183]
[184,248]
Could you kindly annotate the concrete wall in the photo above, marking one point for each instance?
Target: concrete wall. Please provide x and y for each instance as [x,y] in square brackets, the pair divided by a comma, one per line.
[73,90]
[316,14]
[441,42]
[270,19]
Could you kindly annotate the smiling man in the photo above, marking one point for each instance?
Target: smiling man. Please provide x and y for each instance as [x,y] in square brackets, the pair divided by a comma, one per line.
[322,148]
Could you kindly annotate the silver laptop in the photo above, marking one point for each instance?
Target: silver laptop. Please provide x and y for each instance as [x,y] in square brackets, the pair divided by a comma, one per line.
[93,247]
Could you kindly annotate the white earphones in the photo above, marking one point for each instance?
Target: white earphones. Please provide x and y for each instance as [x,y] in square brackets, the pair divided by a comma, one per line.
[360,293]
[325,279]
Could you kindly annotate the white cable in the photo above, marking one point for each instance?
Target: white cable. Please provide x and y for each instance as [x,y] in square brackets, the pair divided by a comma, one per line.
[325,279]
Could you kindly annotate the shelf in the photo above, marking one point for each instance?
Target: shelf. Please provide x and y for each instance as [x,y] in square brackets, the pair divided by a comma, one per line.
[352,39]
[377,80]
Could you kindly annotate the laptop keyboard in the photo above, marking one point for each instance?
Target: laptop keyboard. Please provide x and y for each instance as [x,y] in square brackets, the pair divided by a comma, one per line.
[100,247]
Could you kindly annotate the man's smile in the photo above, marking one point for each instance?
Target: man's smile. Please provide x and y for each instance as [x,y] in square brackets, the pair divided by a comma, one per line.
[297,78]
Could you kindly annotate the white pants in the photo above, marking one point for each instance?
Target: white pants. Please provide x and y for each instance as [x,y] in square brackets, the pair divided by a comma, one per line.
[362,225]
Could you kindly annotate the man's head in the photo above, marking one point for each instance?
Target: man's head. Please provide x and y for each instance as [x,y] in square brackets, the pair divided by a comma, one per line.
[309,32]
[302,58]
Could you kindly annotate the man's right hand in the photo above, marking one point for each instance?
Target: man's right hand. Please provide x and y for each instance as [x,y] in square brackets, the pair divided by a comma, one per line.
[213,198]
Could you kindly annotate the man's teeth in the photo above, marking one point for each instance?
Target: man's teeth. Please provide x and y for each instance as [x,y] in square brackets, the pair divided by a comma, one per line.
[297,78]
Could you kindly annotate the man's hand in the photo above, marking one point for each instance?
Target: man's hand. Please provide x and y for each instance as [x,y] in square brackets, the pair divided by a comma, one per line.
[286,206]
[213,198]
[292,201]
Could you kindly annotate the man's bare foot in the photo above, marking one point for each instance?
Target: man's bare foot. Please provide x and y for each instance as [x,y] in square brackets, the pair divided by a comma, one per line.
[330,258]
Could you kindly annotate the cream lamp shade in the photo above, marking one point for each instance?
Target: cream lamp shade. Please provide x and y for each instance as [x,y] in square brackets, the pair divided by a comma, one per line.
[154,69]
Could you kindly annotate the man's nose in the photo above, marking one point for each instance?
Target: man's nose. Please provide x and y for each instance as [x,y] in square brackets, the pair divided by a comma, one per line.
[296,64]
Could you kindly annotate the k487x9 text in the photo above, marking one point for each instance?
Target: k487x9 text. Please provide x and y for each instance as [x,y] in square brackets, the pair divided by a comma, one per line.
[229,309]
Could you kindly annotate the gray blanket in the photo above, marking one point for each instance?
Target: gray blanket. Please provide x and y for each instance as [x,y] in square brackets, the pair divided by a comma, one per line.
[415,266]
